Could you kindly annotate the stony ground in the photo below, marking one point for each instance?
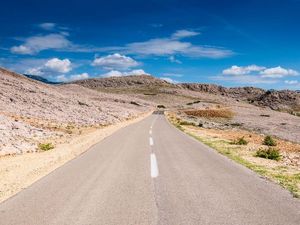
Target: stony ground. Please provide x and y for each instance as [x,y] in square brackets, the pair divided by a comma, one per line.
[32,112]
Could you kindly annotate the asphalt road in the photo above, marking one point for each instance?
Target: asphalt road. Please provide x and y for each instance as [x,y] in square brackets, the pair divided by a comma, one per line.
[151,173]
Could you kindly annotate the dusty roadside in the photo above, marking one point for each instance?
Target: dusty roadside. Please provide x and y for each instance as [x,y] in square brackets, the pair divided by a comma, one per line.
[20,171]
[284,171]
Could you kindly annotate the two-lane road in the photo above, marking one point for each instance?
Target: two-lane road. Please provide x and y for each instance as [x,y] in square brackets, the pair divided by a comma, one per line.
[151,173]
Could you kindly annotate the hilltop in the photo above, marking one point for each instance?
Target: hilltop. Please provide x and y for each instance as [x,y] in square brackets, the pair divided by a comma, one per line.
[283,100]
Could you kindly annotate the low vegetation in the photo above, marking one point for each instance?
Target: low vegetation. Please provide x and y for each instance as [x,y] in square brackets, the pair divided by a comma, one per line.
[45,146]
[269,153]
[240,141]
[194,102]
[272,168]
[211,113]
[269,141]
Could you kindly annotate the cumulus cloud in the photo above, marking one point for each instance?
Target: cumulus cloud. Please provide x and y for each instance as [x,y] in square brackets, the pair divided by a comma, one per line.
[34,71]
[47,26]
[184,33]
[254,74]
[116,73]
[241,70]
[52,65]
[35,44]
[58,65]
[115,61]
[278,72]
[273,72]
[64,78]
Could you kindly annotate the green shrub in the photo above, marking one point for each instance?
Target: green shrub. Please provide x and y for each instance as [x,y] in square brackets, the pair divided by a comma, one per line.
[240,141]
[161,106]
[269,141]
[270,153]
[186,123]
[45,146]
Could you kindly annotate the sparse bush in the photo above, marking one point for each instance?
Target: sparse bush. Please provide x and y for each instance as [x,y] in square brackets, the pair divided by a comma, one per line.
[240,141]
[270,153]
[269,141]
[186,123]
[161,107]
[264,115]
[135,103]
[211,113]
[45,146]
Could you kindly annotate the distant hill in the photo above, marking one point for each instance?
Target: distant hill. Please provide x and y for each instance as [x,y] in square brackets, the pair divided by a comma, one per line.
[285,100]
[124,82]
[41,79]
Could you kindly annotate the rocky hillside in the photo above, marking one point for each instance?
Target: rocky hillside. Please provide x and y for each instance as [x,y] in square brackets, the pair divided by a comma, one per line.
[31,110]
[285,100]
[124,82]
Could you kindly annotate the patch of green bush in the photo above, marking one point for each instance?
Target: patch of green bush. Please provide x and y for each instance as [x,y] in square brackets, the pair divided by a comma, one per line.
[45,146]
[240,141]
[269,141]
[161,106]
[270,153]
[186,123]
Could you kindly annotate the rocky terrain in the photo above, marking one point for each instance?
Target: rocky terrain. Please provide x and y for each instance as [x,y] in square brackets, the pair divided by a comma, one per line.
[31,111]
[283,100]
[255,109]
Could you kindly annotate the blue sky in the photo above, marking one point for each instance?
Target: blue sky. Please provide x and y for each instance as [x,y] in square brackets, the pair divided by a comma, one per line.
[232,43]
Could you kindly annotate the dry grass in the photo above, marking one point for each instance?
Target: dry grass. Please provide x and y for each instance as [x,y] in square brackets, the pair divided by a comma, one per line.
[211,113]
[285,171]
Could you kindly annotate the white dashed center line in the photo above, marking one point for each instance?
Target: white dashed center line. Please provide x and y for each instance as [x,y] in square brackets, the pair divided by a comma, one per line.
[154,168]
[151,141]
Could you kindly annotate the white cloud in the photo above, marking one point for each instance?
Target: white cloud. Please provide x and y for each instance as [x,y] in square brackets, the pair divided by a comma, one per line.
[34,71]
[116,73]
[291,82]
[47,26]
[52,65]
[79,76]
[113,73]
[278,72]
[35,44]
[171,46]
[168,79]
[246,79]
[115,61]
[64,78]
[174,60]
[21,49]
[159,46]
[254,74]
[241,70]
[184,33]
[58,65]
[136,72]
